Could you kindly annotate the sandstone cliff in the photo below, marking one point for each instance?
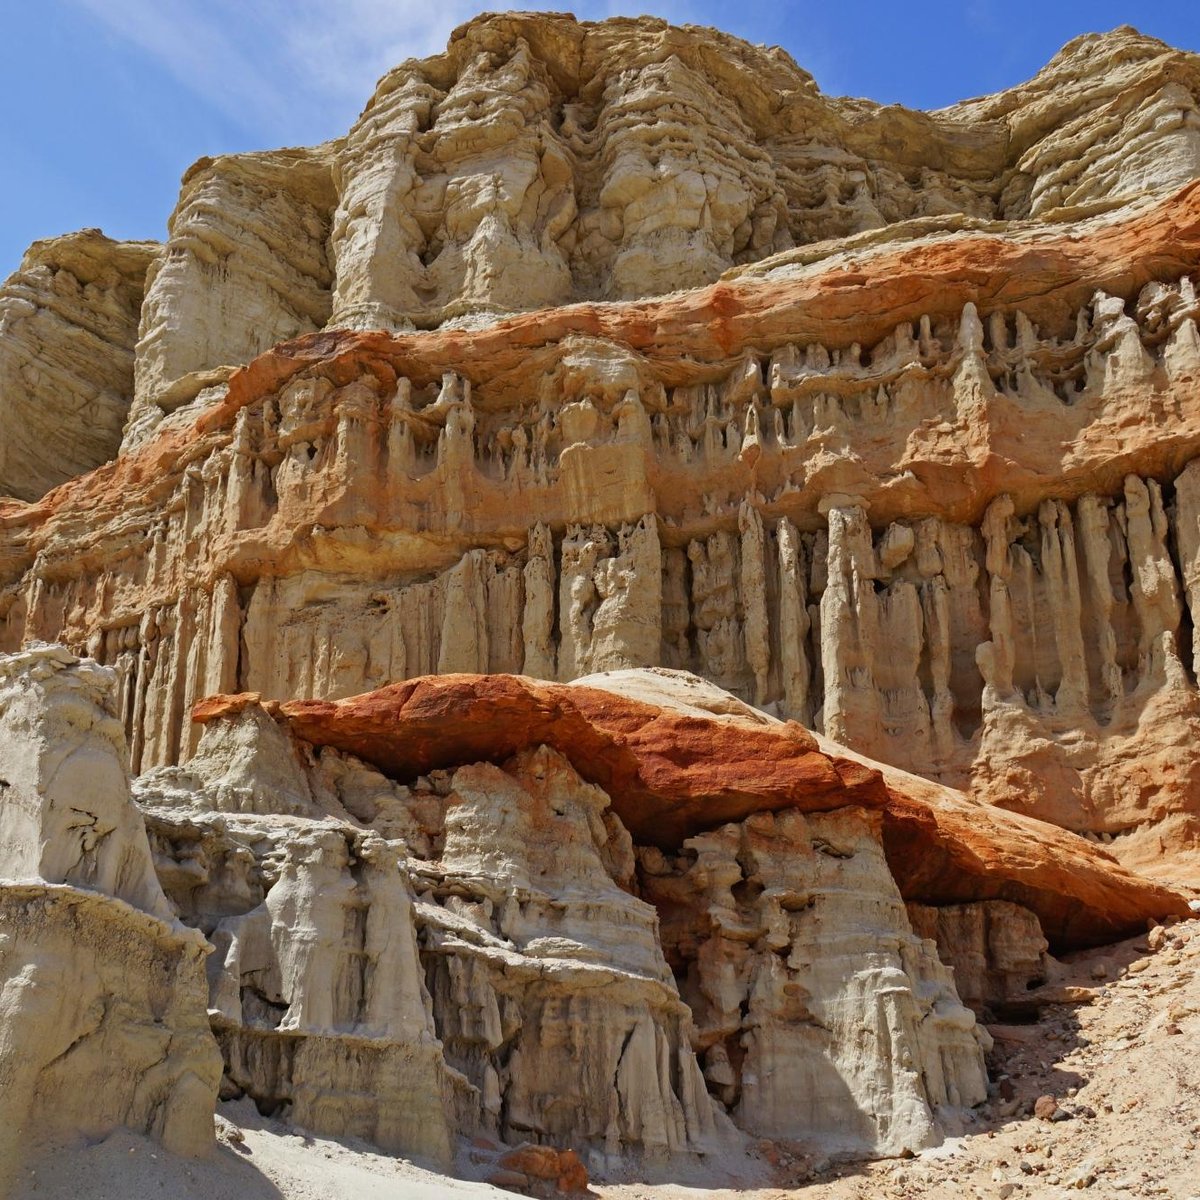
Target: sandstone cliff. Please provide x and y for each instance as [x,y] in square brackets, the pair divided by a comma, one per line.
[591,349]
[102,1020]
[68,324]
[967,551]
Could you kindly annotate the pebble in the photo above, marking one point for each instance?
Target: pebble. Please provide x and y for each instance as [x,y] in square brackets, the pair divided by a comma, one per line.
[1045,1108]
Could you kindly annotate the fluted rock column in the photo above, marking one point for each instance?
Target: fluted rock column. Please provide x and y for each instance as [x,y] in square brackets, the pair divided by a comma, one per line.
[1187,540]
[627,626]
[794,624]
[1154,587]
[754,599]
[1093,517]
[537,618]
[1061,576]
[850,627]
[997,658]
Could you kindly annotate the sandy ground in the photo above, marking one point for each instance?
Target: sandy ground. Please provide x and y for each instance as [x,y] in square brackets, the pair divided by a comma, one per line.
[1124,1069]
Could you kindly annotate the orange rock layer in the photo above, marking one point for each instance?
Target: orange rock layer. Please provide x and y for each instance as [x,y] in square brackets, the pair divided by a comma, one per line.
[859,297]
[670,775]
[1047,273]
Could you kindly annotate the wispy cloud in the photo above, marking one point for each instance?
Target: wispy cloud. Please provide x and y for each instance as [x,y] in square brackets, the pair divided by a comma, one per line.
[218,62]
[283,69]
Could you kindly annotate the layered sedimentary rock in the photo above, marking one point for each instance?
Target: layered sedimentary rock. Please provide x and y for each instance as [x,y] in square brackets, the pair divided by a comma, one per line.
[470,941]
[102,1015]
[597,348]
[408,964]
[679,756]
[561,1014]
[541,161]
[549,986]
[777,869]
[813,623]
[819,1014]
[246,265]
[894,576]
[925,488]
[68,324]
[314,987]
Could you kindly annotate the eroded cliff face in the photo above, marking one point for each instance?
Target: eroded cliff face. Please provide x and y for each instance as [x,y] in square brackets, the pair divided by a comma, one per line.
[965,550]
[102,1020]
[68,324]
[487,937]
[541,161]
[592,349]
[462,934]
[790,934]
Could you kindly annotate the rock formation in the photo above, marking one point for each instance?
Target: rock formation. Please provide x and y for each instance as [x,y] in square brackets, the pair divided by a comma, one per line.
[678,756]
[466,934]
[674,572]
[68,325]
[800,965]
[883,496]
[102,1020]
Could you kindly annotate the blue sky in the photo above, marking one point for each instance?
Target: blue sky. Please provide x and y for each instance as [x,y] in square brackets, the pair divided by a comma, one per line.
[106,102]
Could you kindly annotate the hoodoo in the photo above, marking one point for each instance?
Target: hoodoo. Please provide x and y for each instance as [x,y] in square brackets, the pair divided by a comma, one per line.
[624,611]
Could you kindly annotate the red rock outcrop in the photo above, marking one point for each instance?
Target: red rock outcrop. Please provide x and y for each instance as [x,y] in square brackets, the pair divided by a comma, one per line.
[672,774]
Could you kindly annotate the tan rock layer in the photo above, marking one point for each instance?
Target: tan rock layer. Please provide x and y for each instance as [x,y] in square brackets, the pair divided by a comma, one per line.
[697,336]
[671,775]
[68,323]
[102,1017]
[1046,273]
[542,161]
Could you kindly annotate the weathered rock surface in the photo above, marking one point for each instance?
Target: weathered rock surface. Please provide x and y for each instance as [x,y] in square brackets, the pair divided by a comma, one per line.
[547,981]
[592,349]
[246,265]
[541,161]
[406,965]
[677,756]
[995,948]
[102,1019]
[471,943]
[800,965]
[369,507]
[68,323]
